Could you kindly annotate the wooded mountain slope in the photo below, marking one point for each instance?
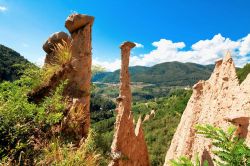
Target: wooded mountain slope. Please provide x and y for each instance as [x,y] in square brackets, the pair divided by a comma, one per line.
[8,60]
[168,73]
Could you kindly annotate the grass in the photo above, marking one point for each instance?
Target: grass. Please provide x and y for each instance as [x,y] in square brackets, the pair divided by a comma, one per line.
[58,153]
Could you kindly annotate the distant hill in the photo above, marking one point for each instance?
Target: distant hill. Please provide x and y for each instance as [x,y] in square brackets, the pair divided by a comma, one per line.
[8,59]
[168,73]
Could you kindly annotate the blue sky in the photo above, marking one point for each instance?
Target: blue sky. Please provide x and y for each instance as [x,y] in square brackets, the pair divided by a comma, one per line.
[199,31]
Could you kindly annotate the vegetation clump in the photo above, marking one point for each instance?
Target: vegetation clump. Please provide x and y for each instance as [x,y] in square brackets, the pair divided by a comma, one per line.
[23,123]
[229,150]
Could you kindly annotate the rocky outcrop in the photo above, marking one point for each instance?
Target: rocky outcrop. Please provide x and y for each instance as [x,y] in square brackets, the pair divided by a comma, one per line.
[51,43]
[218,101]
[128,147]
[77,72]
[149,116]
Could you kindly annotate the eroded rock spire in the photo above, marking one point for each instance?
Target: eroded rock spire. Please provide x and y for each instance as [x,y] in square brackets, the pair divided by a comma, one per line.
[218,101]
[129,147]
[80,28]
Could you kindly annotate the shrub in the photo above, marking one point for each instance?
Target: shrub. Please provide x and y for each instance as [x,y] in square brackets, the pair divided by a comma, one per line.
[59,154]
[20,120]
[229,149]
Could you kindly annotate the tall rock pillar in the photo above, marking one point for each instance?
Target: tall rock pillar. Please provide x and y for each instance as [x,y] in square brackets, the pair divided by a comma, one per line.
[80,28]
[129,147]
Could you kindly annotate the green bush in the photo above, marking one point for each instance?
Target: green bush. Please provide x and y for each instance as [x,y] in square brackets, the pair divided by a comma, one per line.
[21,120]
[159,130]
[58,153]
[229,149]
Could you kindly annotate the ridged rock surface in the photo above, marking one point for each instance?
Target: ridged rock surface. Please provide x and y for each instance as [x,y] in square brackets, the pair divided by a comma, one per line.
[129,147]
[216,101]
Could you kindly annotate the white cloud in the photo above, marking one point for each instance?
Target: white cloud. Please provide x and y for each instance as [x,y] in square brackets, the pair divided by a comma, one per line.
[109,66]
[202,52]
[3,8]
[138,45]
[40,61]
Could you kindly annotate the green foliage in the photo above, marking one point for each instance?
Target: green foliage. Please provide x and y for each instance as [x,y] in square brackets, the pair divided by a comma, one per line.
[58,153]
[63,53]
[159,130]
[20,120]
[105,131]
[231,150]
[22,123]
[243,72]
[184,161]
[228,149]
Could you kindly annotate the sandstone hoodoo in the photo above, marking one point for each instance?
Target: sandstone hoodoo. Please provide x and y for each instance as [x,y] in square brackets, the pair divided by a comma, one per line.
[77,72]
[219,101]
[129,147]
[80,27]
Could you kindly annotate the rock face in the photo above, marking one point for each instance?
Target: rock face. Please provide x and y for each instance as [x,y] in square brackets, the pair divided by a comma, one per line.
[218,101]
[129,147]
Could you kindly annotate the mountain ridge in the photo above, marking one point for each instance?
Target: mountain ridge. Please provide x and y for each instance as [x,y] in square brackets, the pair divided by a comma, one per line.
[168,73]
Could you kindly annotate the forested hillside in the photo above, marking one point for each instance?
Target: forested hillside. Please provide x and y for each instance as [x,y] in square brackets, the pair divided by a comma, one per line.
[10,62]
[168,74]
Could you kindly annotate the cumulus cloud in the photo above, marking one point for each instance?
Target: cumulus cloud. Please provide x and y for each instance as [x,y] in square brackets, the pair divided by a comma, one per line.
[138,45]
[202,52]
[109,66]
[3,8]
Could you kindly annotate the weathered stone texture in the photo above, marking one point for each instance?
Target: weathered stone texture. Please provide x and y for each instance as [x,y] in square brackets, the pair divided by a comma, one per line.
[78,119]
[218,101]
[129,147]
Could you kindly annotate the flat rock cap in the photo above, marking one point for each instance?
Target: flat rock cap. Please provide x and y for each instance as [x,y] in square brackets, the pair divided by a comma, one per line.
[76,21]
[127,44]
[55,38]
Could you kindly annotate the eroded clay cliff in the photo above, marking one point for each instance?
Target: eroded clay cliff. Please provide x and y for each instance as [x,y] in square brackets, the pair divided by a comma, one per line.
[219,101]
[128,147]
